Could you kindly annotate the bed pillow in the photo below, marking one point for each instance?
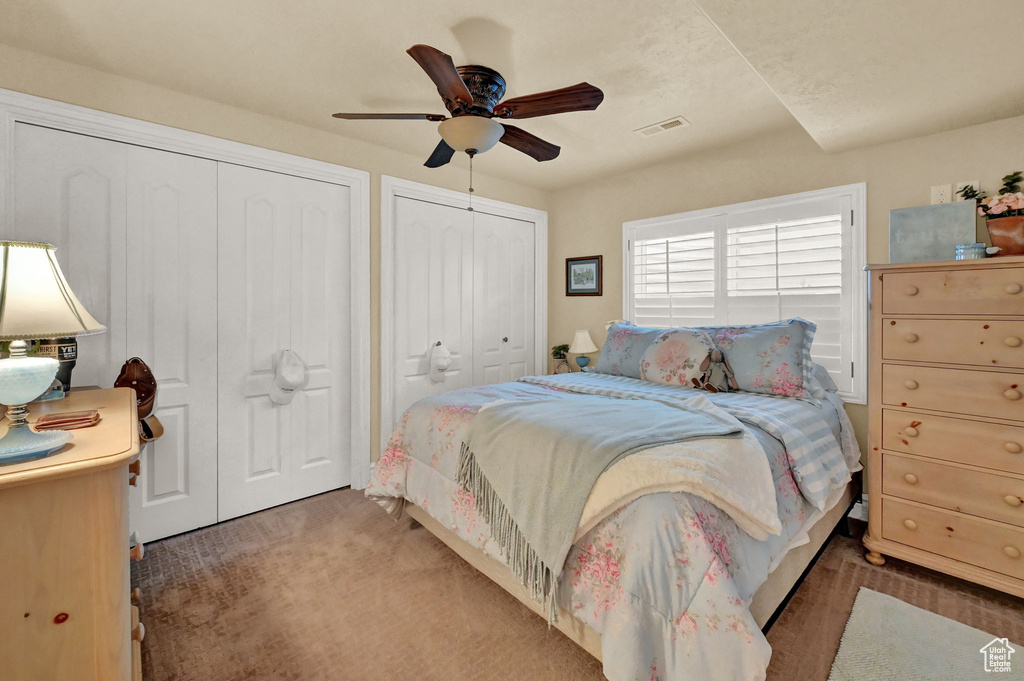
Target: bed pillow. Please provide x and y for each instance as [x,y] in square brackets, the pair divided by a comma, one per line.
[774,359]
[675,357]
[624,348]
[821,381]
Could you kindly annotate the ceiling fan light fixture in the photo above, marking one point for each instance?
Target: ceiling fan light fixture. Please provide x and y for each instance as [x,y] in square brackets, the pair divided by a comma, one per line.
[463,133]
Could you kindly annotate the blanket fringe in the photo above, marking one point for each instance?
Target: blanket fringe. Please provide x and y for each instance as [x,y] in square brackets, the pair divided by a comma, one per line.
[539,579]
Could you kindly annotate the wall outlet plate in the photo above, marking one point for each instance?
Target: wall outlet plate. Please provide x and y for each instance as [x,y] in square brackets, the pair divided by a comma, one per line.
[942,193]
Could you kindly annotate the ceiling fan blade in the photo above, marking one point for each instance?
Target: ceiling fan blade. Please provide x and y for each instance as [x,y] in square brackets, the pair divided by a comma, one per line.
[390,117]
[441,69]
[529,144]
[579,97]
[441,155]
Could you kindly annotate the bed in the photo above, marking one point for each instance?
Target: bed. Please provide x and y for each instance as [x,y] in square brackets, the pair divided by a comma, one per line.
[666,585]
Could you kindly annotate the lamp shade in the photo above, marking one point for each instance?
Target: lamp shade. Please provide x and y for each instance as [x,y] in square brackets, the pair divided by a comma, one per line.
[471,132]
[35,299]
[582,343]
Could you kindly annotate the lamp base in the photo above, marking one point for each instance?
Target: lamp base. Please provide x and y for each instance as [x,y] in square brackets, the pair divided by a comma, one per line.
[582,361]
[22,444]
[54,392]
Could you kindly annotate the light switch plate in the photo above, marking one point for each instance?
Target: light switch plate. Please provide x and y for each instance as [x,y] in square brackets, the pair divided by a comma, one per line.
[942,193]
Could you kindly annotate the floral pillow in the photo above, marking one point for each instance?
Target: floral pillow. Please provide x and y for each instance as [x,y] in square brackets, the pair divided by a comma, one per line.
[624,348]
[675,357]
[769,358]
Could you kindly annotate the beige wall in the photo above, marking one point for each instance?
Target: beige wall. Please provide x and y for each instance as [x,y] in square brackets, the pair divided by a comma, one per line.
[45,77]
[587,219]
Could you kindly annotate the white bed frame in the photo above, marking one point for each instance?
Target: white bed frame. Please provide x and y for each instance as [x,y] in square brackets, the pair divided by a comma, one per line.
[764,606]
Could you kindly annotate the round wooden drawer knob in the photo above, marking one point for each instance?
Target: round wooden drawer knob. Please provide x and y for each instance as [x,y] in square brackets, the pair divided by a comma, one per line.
[1011,394]
[910,431]
[910,338]
[137,552]
[910,478]
[1012,288]
[911,290]
[139,632]
[136,595]
[1012,341]
[910,384]
[909,524]
[1012,500]
[1011,551]
[1013,447]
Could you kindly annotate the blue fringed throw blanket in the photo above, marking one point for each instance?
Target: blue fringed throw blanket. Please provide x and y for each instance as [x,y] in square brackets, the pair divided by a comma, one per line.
[531,465]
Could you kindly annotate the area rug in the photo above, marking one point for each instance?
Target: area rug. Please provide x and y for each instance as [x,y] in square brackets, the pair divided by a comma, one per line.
[886,638]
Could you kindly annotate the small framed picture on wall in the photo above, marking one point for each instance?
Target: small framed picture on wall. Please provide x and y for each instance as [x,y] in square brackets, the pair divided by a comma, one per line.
[583,276]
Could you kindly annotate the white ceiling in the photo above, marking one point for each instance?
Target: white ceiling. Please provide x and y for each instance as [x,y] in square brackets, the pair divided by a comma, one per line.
[861,72]
[851,73]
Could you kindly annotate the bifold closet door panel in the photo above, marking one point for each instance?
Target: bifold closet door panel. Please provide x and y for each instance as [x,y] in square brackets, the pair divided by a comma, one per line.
[283,258]
[321,334]
[503,312]
[69,190]
[172,325]
[433,299]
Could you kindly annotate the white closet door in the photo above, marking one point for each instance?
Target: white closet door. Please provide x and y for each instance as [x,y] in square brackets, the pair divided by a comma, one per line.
[433,280]
[321,333]
[172,325]
[503,313]
[69,190]
[283,254]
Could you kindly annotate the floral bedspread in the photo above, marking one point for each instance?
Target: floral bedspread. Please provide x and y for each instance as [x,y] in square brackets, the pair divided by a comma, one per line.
[666,579]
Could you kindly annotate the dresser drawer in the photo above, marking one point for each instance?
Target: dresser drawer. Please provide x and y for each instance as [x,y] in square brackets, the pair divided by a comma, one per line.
[977,393]
[994,547]
[986,495]
[977,443]
[988,291]
[984,343]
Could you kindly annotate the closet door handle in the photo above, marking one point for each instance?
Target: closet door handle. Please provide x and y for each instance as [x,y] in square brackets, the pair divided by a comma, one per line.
[505,339]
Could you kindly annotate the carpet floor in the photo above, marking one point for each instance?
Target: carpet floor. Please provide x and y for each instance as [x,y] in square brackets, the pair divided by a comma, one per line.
[330,589]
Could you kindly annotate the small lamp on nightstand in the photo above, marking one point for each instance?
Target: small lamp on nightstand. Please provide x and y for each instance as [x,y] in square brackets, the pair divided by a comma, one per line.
[580,344]
[35,302]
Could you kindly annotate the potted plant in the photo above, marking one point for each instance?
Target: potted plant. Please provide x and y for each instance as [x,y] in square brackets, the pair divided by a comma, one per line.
[1004,213]
[559,363]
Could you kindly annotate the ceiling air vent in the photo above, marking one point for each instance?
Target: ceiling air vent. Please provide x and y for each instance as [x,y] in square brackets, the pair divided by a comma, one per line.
[664,126]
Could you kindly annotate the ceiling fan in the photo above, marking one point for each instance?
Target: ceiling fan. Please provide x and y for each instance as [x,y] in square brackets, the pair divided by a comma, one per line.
[472,94]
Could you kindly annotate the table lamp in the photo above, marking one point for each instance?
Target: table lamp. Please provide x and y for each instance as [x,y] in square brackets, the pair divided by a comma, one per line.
[35,302]
[580,344]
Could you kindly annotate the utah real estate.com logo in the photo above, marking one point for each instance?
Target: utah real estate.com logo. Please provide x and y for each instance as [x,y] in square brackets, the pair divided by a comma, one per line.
[997,655]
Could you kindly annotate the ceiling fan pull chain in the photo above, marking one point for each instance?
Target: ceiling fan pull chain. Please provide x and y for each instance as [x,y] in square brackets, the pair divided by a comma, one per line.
[471,182]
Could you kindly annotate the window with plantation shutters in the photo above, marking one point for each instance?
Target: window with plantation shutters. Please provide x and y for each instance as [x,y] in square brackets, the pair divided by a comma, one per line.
[793,256]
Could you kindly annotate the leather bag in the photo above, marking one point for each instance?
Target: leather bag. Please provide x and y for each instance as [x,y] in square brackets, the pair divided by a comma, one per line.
[135,374]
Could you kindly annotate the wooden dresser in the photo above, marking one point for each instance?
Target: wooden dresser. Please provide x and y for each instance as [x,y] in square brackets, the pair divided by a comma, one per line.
[946,451]
[65,607]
